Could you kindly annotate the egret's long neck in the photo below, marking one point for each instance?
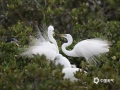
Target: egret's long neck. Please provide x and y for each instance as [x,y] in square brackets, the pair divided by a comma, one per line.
[67,52]
[50,36]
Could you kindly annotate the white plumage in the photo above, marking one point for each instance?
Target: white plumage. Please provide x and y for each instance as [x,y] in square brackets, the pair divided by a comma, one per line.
[68,69]
[86,48]
[43,47]
[49,48]
[69,73]
[63,61]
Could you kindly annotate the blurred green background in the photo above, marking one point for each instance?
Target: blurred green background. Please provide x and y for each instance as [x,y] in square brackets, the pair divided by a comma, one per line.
[83,19]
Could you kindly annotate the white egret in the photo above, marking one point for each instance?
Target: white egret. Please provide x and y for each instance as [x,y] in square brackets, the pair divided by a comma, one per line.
[86,48]
[42,46]
[50,49]
[50,37]
[60,59]
[68,69]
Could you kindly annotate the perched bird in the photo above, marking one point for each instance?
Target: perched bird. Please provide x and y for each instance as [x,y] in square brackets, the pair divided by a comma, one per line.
[48,46]
[42,46]
[86,48]
[68,69]
[59,59]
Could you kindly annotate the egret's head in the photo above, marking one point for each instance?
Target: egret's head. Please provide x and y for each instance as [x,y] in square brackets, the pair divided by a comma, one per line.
[51,29]
[67,36]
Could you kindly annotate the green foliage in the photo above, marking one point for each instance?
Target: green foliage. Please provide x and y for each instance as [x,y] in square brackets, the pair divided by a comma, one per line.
[83,19]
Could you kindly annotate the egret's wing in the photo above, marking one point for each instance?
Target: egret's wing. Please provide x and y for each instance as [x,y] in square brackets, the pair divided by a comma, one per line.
[91,47]
[45,48]
[96,46]
[38,32]
[44,30]
[34,41]
[39,45]
[41,35]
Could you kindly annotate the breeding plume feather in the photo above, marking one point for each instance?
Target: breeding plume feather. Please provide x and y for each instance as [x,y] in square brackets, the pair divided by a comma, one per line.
[86,48]
[68,69]
[41,45]
[49,48]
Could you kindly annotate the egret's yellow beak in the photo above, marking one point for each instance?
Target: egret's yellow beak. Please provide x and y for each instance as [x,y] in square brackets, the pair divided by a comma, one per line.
[62,35]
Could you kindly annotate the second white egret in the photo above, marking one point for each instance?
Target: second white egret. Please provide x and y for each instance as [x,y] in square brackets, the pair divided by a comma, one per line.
[86,48]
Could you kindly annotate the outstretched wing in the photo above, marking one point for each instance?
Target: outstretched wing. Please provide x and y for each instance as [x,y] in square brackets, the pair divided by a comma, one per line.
[41,35]
[38,32]
[91,47]
[40,45]
[44,30]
